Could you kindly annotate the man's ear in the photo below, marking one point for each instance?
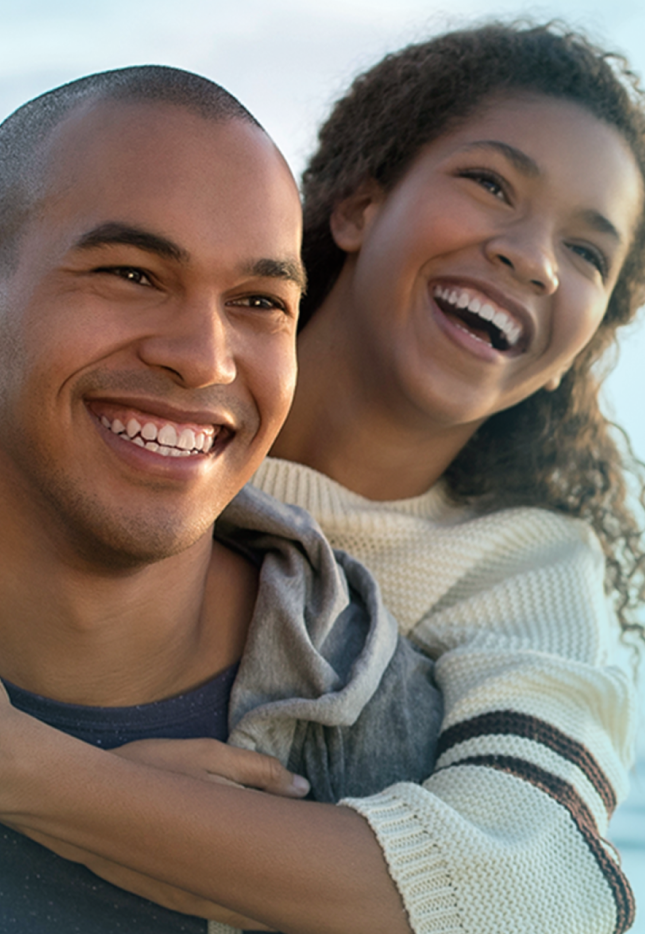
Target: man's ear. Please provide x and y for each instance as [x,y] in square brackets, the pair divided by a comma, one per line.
[352,217]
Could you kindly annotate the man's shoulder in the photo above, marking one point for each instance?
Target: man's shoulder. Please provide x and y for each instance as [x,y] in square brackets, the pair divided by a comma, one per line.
[255,511]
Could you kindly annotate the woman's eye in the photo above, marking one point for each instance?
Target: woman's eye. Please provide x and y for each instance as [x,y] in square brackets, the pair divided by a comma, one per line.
[592,256]
[487,180]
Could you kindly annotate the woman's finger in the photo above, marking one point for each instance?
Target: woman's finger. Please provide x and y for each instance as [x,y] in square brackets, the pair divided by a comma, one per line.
[210,760]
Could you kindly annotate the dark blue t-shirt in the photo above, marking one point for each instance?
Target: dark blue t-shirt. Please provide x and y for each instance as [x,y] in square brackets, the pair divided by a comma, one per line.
[40,893]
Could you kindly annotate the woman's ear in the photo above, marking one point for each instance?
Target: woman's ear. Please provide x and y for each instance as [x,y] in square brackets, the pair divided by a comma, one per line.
[554,381]
[552,384]
[352,217]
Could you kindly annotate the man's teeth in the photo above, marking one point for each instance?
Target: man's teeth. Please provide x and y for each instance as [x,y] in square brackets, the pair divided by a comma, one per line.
[165,440]
[463,299]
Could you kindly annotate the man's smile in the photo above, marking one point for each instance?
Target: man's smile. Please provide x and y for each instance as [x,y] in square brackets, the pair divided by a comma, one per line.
[169,440]
[164,436]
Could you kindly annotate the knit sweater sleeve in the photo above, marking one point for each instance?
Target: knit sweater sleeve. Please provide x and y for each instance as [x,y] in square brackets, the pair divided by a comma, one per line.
[507,833]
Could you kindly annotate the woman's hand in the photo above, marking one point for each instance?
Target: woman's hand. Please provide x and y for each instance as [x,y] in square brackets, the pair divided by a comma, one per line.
[212,761]
[266,856]
[207,760]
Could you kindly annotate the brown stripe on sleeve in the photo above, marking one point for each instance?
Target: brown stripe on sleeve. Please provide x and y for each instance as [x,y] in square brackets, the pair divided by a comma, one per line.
[509,722]
[566,795]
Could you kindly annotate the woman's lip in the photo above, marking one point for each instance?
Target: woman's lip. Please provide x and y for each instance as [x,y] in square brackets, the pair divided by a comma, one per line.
[512,307]
[465,338]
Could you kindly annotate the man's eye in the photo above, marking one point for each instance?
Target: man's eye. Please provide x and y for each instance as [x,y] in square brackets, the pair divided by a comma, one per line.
[262,302]
[129,273]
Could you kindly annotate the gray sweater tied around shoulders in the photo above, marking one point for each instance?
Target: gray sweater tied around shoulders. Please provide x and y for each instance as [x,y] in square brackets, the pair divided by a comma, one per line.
[326,683]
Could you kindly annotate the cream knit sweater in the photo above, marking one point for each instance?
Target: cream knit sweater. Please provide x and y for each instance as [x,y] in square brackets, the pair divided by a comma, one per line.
[506,836]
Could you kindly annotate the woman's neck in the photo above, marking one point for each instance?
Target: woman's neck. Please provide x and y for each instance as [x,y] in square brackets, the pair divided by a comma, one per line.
[341,426]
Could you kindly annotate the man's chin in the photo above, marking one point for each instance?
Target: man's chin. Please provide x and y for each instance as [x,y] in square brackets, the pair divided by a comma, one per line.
[129,553]
[96,538]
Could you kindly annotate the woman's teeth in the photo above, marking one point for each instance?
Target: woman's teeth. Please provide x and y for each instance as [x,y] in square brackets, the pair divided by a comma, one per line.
[463,300]
[165,440]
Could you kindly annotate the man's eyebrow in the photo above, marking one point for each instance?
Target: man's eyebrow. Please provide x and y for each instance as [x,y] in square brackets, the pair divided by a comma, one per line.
[516,157]
[114,233]
[292,270]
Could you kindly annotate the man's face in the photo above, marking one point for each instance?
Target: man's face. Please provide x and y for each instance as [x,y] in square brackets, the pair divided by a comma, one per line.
[147,335]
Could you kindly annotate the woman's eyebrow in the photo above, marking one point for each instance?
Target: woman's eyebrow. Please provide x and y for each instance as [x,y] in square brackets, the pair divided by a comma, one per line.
[528,167]
[114,232]
[519,159]
[599,222]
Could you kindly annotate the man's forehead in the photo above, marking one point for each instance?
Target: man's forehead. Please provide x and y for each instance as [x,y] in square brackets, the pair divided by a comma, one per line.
[102,127]
[108,148]
[163,173]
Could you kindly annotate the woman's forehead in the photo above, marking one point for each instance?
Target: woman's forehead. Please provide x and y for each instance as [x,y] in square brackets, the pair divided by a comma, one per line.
[553,139]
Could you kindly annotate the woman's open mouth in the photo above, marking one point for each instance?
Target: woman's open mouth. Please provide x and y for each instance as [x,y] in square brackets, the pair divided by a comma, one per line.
[480,316]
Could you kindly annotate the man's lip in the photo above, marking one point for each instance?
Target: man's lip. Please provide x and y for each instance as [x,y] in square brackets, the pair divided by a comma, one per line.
[159,409]
[516,309]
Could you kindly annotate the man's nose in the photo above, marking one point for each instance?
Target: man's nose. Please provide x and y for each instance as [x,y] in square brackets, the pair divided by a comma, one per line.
[194,341]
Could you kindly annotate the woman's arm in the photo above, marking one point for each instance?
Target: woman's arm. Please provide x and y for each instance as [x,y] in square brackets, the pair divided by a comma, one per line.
[296,866]
[535,748]
[207,760]
[144,886]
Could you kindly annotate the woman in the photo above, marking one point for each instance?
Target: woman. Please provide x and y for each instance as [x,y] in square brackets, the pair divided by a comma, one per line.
[469,262]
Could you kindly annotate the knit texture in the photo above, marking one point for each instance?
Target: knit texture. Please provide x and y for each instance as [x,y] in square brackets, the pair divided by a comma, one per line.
[507,835]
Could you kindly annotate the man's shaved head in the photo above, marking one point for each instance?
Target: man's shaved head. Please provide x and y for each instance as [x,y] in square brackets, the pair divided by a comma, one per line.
[23,135]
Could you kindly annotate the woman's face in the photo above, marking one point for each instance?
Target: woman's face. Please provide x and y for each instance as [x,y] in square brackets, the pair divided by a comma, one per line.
[482,274]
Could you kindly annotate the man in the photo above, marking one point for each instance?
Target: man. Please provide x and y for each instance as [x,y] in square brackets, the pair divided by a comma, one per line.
[149,288]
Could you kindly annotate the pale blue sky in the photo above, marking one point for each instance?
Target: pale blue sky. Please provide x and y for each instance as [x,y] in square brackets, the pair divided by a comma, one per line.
[286,60]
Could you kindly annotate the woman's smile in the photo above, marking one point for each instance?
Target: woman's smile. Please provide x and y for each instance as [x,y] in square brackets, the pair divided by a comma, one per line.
[481,275]
[501,325]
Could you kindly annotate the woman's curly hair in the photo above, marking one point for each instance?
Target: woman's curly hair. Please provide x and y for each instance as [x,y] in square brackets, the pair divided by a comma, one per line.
[555,449]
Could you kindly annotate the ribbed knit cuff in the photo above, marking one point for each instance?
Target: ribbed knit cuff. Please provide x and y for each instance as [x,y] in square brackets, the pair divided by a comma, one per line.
[415,862]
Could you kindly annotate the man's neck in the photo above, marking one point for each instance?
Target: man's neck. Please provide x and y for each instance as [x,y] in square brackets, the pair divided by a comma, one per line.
[121,638]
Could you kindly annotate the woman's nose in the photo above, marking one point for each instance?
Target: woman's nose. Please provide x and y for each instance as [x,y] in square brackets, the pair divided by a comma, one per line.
[528,256]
